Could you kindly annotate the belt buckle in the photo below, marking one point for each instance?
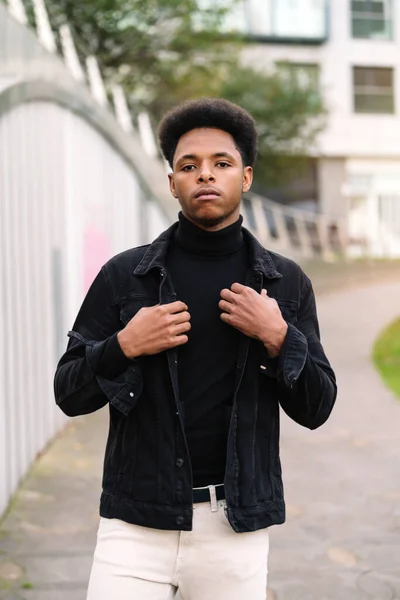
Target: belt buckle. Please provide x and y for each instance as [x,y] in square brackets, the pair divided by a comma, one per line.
[213,498]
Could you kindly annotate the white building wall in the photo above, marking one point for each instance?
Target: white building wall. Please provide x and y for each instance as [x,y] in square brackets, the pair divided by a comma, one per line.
[359,154]
[347,133]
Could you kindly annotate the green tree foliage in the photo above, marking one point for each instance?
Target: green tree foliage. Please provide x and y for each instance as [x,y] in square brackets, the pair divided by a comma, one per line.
[289,115]
[166,51]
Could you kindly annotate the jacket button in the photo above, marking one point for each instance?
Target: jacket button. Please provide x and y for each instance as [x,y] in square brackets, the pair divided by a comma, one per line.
[180,462]
[180,520]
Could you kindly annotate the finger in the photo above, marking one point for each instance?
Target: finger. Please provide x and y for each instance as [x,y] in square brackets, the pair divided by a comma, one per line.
[181,317]
[175,307]
[182,328]
[264,293]
[225,306]
[181,339]
[238,288]
[227,295]
[226,317]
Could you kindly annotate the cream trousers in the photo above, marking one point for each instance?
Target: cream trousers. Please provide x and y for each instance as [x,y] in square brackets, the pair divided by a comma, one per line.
[211,562]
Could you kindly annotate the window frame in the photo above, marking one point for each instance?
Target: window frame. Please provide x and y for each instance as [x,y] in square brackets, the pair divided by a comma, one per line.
[372,90]
[296,37]
[388,20]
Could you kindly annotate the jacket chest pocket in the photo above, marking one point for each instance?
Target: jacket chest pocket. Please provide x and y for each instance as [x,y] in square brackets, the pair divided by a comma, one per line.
[288,309]
[130,306]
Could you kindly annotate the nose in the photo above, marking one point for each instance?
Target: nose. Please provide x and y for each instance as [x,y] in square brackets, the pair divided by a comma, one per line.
[205,175]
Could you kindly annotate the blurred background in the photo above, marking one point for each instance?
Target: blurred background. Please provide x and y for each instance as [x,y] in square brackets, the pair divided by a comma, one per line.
[82,88]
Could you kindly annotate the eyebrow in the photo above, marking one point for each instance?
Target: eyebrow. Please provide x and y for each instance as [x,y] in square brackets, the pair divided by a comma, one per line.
[195,156]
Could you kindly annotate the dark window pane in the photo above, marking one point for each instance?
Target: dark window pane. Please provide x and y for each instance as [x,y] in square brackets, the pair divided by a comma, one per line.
[383,77]
[367,28]
[373,76]
[383,104]
[359,6]
[373,90]
[360,76]
[371,6]
[379,25]
[361,28]
[372,19]
[378,8]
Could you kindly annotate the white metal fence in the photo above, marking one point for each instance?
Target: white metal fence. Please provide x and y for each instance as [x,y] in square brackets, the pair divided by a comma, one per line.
[298,233]
[373,223]
[388,216]
[68,203]
[72,194]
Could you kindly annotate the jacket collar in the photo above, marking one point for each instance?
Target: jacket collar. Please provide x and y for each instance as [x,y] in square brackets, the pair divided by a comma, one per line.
[156,254]
[260,259]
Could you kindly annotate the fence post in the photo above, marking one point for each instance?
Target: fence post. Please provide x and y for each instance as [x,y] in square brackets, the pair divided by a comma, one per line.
[17,10]
[70,54]
[260,218]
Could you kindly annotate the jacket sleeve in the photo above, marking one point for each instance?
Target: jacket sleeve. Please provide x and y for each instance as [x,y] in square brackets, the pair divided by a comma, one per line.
[94,371]
[306,382]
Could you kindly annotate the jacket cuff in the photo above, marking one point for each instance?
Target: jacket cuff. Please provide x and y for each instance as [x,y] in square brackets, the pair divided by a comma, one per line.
[107,358]
[123,392]
[119,377]
[292,357]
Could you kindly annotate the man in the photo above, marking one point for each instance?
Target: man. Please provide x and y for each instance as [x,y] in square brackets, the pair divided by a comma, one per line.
[194,341]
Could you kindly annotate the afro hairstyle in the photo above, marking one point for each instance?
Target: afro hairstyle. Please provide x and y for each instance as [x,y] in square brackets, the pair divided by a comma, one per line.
[215,113]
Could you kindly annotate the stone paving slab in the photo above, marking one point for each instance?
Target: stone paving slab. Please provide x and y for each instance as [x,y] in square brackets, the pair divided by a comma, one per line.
[342,537]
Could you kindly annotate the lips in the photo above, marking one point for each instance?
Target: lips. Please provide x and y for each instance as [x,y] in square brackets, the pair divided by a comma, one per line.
[207,193]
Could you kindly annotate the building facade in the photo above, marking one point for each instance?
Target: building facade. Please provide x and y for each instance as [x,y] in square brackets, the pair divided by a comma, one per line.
[353,47]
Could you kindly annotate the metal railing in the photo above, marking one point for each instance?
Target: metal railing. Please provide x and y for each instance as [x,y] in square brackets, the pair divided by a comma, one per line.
[295,232]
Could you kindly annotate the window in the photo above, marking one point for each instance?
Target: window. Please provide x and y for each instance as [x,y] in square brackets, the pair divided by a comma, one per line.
[306,74]
[373,90]
[372,19]
[287,20]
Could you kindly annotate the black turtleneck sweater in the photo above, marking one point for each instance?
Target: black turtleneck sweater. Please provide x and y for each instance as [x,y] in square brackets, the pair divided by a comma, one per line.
[201,264]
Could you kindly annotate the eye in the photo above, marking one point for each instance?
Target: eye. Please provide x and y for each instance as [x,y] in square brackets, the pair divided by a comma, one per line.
[188,168]
[223,164]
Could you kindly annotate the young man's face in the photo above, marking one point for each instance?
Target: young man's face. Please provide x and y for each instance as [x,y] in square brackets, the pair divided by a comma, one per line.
[209,178]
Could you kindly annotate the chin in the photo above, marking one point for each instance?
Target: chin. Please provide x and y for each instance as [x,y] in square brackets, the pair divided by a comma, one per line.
[208,220]
[209,215]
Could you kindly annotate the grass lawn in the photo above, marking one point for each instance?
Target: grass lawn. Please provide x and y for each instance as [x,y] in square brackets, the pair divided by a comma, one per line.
[386,356]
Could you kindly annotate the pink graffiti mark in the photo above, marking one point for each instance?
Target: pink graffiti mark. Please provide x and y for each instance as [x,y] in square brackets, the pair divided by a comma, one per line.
[96,253]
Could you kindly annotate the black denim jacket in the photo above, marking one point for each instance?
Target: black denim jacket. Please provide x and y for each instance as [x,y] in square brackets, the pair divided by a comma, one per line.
[147,476]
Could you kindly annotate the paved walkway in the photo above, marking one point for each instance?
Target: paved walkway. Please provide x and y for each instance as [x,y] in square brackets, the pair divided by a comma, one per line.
[342,537]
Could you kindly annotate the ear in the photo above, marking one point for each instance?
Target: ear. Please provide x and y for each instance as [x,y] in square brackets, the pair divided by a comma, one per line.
[247,178]
[172,185]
